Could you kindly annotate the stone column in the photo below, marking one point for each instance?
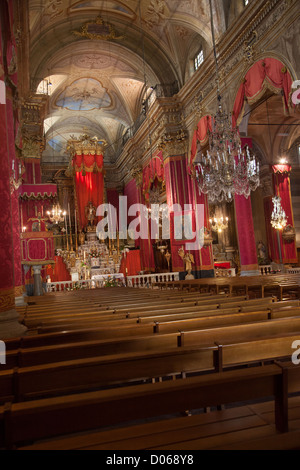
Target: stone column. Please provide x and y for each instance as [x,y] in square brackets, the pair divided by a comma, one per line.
[38,286]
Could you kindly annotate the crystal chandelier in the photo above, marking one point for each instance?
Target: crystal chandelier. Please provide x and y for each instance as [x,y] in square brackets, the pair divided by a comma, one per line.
[226,169]
[278,217]
[56,215]
[218,225]
[160,211]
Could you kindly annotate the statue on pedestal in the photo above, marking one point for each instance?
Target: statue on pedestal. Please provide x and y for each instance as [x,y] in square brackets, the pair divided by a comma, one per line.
[81,237]
[188,258]
[90,213]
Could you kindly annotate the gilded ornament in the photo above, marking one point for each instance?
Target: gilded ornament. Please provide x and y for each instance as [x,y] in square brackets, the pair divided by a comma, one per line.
[97,30]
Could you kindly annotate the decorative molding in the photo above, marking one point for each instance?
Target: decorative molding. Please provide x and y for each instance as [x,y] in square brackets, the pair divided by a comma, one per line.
[85,145]
[97,30]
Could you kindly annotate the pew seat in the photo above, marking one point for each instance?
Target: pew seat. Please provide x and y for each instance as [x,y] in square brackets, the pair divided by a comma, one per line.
[22,423]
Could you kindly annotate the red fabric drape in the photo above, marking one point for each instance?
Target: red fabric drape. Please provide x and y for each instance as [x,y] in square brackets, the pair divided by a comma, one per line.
[131,263]
[131,192]
[245,232]
[88,162]
[181,189]
[89,188]
[59,272]
[281,184]
[266,73]
[222,265]
[200,135]
[282,189]
[112,196]
[152,172]
[33,172]
[10,247]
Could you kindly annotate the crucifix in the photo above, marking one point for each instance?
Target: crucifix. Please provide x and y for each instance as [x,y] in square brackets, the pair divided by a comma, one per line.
[39,219]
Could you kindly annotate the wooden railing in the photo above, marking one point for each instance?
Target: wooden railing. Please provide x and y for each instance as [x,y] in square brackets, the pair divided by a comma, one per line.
[293,271]
[265,270]
[68,285]
[146,280]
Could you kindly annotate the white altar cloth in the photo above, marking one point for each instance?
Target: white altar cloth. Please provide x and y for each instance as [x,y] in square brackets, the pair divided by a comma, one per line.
[102,277]
[98,279]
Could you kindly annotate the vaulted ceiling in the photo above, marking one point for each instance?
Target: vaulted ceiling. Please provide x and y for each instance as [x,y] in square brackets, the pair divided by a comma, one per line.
[101,58]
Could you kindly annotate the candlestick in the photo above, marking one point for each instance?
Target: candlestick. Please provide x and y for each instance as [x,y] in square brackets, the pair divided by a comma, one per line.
[76,241]
[66,226]
[71,239]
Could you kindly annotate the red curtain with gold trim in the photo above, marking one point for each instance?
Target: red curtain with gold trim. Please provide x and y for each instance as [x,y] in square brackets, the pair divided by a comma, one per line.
[89,183]
[265,74]
[200,135]
[281,179]
[154,171]
[88,163]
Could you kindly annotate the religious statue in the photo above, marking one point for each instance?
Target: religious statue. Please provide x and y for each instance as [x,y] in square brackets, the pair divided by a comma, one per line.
[168,257]
[262,253]
[90,213]
[81,237]
[188,258]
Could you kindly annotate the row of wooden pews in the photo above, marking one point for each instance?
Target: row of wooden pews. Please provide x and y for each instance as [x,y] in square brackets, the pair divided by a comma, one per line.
[115,355]
[279,285]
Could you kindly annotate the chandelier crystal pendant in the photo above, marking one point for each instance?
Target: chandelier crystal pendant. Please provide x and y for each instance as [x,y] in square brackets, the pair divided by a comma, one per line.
[56,215]
[278,217]
[226,169]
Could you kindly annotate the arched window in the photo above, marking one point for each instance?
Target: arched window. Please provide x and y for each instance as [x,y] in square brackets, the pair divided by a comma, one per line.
[199,59]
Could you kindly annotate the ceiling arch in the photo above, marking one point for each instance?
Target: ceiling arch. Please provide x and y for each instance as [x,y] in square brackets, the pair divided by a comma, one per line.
[98,84]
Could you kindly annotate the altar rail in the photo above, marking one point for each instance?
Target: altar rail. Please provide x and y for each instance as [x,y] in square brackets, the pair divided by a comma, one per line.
[146,280]
[293,271]
[68,285]
[265,270]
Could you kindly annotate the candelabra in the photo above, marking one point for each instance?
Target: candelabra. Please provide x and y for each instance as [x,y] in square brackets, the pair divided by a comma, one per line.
[278,221]
[226,170]
[56,215]
[278,217]
[218,225]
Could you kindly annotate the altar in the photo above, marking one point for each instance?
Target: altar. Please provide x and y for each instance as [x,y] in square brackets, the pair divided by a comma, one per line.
[100,280]
[93,258]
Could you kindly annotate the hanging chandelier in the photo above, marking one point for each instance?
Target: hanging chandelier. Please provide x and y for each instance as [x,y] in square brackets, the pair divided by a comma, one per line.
[218,225]
[278,217]
[226,169]
[56,215]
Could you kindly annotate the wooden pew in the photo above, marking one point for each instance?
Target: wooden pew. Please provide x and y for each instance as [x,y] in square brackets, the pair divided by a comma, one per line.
[239,332]
[61,319]
[95,372]
[278,284]
[124,329]
[47,418]
[21,357]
